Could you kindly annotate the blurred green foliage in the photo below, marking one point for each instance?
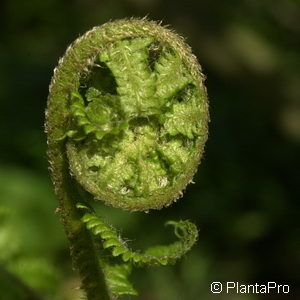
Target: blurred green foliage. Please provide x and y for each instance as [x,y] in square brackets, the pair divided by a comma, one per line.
[246,192]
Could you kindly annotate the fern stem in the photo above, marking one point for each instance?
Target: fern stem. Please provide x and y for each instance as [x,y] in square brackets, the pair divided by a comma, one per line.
[83,253]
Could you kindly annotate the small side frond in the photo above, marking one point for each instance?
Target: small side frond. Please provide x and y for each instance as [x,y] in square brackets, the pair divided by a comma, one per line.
[185,231]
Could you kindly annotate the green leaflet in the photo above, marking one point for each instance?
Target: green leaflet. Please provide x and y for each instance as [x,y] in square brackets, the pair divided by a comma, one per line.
[185,231]
[116,278]
[101,117]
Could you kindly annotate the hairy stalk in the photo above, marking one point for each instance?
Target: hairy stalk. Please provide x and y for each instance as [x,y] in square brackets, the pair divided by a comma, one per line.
[127,122]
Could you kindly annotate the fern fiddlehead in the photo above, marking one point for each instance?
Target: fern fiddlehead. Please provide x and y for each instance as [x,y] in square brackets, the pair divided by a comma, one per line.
[127,122]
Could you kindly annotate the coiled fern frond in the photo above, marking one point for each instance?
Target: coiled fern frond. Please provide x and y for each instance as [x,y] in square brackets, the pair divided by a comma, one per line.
[127,122]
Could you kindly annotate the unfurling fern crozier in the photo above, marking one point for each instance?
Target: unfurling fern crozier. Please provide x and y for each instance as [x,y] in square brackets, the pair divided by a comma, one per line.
[127,122]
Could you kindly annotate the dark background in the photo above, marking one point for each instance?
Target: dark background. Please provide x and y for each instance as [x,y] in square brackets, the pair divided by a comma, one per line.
[247,188]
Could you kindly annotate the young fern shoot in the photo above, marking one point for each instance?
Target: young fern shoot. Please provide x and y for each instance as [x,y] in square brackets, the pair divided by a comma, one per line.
[127,122]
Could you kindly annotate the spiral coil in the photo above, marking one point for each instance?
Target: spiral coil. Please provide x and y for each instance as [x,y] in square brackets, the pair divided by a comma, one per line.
[127,122]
